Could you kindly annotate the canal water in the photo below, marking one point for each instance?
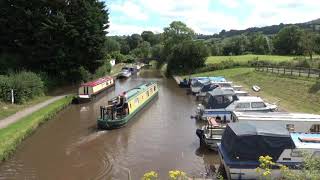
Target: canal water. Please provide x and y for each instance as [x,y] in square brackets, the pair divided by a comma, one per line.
[161,138]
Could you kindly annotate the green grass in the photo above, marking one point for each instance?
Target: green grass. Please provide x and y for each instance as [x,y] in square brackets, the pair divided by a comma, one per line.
[7,109]
[295,94]
[246,58]
[116,69]
[11,136]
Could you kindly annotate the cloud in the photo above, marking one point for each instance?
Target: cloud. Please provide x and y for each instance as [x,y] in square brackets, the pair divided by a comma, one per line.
[208,16]
[130,9]
[124,29]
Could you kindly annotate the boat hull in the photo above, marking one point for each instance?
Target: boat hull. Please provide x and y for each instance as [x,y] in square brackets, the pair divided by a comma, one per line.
[114,124]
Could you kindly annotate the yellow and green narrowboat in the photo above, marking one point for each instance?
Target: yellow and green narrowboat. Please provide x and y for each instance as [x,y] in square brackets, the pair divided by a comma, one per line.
[122,108]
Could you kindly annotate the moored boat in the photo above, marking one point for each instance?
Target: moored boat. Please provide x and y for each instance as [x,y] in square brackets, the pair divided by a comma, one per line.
[123,107]
[89,89]
[243,143]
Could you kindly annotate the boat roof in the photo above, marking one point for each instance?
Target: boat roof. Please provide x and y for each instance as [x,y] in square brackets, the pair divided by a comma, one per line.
[305,145]
[137,90]
[97,81]
[277,116]
[221,91]
[217,79]
[245,129]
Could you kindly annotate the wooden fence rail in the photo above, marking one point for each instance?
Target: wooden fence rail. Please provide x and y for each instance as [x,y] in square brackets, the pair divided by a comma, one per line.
[305,72]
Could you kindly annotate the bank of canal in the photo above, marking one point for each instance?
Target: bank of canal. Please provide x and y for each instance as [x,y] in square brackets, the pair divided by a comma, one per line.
[161,138]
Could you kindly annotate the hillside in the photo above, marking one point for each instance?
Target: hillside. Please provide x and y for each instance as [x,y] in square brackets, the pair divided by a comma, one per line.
[267,30]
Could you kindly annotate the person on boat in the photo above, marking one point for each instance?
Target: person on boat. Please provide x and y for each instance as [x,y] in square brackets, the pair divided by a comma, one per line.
[121,104]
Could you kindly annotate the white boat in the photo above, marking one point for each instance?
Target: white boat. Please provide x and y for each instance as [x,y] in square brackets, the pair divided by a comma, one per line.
[198,82]
[217,90]
[243,143]
[125,73]
[221,105]
[293,122]
[256,88]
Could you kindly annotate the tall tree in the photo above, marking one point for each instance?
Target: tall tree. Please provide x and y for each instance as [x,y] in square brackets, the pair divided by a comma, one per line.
[134,40]
[308,43]
[150,37]
[287,41]
[112,45]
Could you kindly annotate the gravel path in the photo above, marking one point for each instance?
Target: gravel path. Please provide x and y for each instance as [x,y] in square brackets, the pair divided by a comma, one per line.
[25,112]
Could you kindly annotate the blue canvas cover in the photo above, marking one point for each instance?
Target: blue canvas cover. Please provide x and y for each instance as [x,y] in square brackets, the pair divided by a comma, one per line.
[249,141]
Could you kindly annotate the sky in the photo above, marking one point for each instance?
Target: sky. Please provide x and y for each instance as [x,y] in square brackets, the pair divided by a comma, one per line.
[206,16]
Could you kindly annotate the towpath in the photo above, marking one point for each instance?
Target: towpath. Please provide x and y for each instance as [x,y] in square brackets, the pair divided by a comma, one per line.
[25,112]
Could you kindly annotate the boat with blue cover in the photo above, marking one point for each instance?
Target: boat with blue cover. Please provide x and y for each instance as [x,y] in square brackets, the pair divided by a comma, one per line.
[243,143]
[123,107]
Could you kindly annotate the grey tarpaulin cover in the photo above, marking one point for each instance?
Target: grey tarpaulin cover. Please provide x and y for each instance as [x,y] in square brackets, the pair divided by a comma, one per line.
[248,141]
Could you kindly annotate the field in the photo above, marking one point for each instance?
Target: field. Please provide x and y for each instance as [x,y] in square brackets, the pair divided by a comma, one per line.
[294,94]
[7,109]
[246,58]
[12,135]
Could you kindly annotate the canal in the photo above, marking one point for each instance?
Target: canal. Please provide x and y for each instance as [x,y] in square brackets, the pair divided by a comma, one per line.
[160,138]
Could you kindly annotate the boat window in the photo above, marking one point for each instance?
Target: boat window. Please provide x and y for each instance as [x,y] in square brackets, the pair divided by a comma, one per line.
[296,153]
[315,128]
[136,101]
[154,88]
[243,106]
[290,127]
[148,93]
[258,105]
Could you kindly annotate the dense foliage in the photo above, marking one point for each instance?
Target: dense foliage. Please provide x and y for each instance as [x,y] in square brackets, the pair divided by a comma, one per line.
[55,37]
[25,85]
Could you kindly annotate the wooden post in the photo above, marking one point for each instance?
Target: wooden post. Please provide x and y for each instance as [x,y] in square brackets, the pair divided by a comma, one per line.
[278,70]
[291,70]
[299,71]
[284,70]
[309,73]
[272,69]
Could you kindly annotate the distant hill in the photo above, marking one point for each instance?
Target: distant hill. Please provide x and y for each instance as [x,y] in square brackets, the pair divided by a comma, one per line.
[267,30]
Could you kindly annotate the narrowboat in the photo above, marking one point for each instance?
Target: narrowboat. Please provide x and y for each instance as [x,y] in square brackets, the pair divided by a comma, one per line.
[123,107]
[243,143]
[89,89]
[211,133]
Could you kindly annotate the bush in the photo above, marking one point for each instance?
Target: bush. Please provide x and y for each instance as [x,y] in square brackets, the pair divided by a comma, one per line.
[103,70]
[25,85]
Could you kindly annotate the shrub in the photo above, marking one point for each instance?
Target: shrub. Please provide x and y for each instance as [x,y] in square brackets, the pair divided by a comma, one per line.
[103,70]
[25,85]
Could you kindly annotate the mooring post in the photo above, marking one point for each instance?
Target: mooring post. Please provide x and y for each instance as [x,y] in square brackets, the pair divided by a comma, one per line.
[12,97]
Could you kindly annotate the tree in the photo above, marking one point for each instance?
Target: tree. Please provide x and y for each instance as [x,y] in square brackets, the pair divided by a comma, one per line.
[57,37]
[150,37]
[308,43]
[176,33]
[134,41]
[112,45]
[187,56]
[156,51]
[260,44]
[287,41]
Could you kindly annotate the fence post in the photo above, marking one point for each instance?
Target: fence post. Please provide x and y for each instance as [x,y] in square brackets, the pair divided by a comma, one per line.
[272,69]
[278,70]
[284,70]
[267,68]
[291,71]
[309,73]
[299,71]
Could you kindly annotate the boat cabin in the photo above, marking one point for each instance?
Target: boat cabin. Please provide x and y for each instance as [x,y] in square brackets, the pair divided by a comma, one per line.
[294,122]
[89,89]
[198,83]
[243,143]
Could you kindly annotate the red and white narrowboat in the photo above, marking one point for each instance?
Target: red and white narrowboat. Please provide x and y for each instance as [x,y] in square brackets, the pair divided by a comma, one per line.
[89,89]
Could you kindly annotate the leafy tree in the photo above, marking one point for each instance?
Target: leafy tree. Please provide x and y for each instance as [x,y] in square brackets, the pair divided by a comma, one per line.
[176,33]
[308,43]
[187,56]
[260,44]
[156,51]
[287,41]
[150,37]
[112,45]
[143,51]
[134,40]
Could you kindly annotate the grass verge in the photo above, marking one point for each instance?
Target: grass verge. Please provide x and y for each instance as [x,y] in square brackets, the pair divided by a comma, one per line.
[13,135]
[295,94]
[7,109]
